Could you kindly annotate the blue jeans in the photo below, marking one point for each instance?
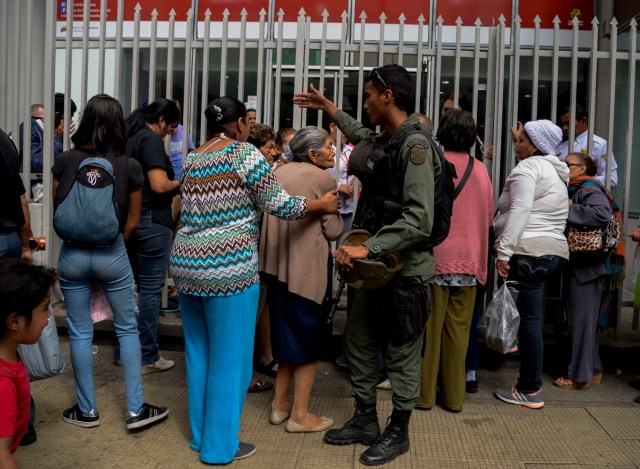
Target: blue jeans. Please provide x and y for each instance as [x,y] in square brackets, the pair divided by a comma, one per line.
[149,252]
[77,267]
[530,273]
[218,340]
[10,245]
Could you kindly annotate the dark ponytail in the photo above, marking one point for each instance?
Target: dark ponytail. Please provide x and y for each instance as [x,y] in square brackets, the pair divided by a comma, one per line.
[150,114]
[222,111]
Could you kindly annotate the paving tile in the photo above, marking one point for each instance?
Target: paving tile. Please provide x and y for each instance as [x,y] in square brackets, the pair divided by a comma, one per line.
[544,449]
[619,423]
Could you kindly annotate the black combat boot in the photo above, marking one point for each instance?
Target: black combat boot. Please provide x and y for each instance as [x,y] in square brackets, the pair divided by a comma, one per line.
[362,428]
[392,443]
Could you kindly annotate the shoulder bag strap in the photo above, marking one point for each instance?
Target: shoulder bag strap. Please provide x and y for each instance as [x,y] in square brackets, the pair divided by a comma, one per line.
[465,176]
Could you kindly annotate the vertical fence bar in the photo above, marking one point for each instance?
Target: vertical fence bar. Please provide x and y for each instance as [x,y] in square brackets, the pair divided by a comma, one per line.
[153,56]
[419,65]
[300,61]
[67,77]
[515,67]
[170,54]
[554,75]
[456,59]
[224,52]
[343,57]
[117,68]
[573,84]
[49,56]
[612,98]
[363,19]
[204,97]
[323,58]
[305,72]
[436,75]
[383,19]
[260,92]
[278,77]
[186,101]
[13,96]
[536,71]
[101,45]
[85,52]
[135,57]
[401,20]
[476,72]
[26,105]
[243,54]
[633,30]
[4,52]
[499,101]
[593,79]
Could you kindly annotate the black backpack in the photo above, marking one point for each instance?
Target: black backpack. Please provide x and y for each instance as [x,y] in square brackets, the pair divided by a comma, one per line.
[87,211]
[383,170]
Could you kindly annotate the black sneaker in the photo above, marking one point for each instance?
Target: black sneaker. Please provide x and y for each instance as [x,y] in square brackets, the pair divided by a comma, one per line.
[471,386]
[245,450]
[29,437]
[75,416]
[148,415]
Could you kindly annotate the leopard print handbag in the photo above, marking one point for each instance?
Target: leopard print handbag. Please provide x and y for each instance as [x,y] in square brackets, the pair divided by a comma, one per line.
[594,241]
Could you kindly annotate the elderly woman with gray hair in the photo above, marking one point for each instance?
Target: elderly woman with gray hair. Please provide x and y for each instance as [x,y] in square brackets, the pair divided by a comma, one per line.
[293,257]
[530,244]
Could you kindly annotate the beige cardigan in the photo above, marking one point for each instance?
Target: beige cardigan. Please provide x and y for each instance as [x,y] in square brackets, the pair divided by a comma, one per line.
[297,251]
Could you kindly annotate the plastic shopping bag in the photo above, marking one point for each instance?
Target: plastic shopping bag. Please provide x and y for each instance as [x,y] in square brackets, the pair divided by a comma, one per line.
[499,323]
[44,358]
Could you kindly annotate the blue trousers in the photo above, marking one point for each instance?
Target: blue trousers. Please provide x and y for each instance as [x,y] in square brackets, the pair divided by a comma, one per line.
[149,254]
[218,333]
[77,267]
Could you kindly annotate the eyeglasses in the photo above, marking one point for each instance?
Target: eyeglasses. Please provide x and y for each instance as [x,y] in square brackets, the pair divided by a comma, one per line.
[375,74]
[572,164]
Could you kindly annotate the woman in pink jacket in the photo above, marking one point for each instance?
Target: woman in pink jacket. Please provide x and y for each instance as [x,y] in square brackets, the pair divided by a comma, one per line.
[293,257]
[461,264]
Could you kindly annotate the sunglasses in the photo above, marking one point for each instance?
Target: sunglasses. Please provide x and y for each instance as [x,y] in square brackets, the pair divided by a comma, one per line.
[573,164]
[375,74]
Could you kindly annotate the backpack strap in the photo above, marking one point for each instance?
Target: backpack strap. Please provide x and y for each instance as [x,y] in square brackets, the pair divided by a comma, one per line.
[465,177]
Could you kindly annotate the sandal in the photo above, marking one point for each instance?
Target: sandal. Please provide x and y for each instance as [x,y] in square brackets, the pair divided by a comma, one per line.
[567,383]
[267,369]
[260,385]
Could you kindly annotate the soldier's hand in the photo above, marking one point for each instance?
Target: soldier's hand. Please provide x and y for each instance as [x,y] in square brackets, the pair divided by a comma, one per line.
[635,235]
[345,254]
[315,100]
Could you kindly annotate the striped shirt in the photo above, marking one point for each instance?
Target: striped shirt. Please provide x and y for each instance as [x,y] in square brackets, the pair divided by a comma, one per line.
[223,195]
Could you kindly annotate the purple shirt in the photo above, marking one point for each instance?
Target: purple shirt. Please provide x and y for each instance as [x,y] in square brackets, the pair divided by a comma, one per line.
[175,151]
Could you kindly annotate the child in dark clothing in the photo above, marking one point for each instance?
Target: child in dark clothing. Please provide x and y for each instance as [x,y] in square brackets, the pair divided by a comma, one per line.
[25,294]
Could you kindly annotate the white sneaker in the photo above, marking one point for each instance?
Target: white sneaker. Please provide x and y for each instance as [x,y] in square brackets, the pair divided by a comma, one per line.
[161,365]
[386,384]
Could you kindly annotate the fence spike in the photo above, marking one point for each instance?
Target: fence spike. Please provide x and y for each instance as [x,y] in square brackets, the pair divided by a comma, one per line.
[440,20]
[137,8]
[575,22]
[172,14]
[556,21]
[243,13]
[344,15]
[363,15]
[459,21]
[537,20]
[262,13]
[478,22]
[302,12]
[633,23]
[402,18]
[382,17]
[502,20]
[226,13]
[518,20]
[280,13]
[595,22]
[421,18]
[614,22]
[325,14]
[154,14]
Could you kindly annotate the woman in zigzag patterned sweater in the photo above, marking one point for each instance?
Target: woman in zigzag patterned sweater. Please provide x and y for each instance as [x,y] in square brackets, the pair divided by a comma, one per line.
[225,186]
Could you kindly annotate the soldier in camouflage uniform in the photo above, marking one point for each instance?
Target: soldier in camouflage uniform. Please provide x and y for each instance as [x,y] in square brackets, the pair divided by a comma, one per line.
[392,317]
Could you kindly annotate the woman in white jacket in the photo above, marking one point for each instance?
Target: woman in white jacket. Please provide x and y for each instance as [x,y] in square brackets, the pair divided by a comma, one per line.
[531,245]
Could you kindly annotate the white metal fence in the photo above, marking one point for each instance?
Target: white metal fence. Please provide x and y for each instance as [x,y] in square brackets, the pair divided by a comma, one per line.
[522,72]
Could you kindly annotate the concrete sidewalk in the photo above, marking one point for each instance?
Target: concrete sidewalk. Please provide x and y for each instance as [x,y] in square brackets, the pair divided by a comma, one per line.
[596,427]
